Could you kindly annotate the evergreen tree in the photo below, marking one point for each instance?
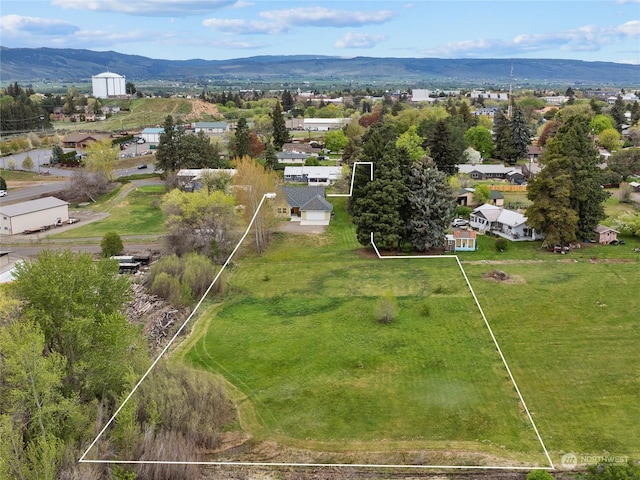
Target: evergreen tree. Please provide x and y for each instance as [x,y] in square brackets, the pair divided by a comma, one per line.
[381,202]
[444,150]
[287,101]
[270,157]
[502,135]
[520,135]
[431,205]
[169,152]
[617,113]
[373,146]
[280,131]
[241,144]
[567,195]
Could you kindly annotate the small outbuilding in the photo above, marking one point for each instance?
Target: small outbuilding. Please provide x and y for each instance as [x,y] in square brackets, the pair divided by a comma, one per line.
[33,216]
[462,240]
[605,235]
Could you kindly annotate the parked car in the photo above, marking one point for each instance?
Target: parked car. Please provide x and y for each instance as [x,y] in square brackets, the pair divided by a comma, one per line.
[143,166]
[459,222]
[3,193]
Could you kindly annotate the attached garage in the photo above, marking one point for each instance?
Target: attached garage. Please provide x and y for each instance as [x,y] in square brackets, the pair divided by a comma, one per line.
[33,215]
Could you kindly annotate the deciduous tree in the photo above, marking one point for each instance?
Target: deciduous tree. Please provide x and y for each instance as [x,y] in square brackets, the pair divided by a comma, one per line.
[201,221]
[101,158]
[481,139]
[252,181]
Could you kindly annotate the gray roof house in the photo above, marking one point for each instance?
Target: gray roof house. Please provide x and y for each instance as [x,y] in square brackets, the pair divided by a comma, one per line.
[292,157]
[307,205]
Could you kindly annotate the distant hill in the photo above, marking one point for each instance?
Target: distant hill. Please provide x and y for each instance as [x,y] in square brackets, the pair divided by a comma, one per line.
[38,64]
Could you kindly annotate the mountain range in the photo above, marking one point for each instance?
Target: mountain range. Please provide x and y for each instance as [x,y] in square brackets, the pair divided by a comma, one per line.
[52,64]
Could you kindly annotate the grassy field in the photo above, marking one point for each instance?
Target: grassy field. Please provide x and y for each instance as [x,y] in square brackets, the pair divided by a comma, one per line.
[137,213]
[570,332]
[299,337]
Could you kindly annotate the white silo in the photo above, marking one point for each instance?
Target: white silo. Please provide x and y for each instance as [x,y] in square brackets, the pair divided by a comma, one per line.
[108,85]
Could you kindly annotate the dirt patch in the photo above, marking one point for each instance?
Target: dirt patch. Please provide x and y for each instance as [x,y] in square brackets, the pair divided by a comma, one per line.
[501,277]
[200,108]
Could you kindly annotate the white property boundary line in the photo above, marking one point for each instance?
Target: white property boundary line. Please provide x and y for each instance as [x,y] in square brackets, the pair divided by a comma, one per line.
[314,465]
[493,337]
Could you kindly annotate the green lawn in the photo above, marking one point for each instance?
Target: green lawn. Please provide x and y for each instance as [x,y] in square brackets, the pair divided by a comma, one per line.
[138,213]
[570,333]
[299,339]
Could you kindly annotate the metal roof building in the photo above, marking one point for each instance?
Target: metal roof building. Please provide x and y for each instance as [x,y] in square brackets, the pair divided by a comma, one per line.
[33,215]
[108,85]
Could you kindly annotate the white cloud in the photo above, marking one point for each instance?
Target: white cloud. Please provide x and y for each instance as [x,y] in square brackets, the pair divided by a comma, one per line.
[586,38]
[16,25]
[359,40]
[280,21]
[240,26]
[154,8]
[325,17]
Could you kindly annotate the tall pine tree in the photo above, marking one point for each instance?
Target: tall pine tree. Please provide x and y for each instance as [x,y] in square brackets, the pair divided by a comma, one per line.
[444,151]
[280,131]
[431,205]
[567,194]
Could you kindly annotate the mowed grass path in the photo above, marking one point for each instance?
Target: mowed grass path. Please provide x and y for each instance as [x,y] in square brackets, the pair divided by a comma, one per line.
[299,337]
[138,213]
[571,334]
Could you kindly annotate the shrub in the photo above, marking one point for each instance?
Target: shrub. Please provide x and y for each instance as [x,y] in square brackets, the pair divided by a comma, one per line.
[539,475]
[3,184]
[463,212]
[501,244]
[111,244]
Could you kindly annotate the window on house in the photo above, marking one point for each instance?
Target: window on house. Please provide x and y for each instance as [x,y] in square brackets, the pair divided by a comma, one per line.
[282,210]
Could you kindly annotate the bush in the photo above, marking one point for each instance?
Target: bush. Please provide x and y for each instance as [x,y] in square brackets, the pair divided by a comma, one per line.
[111,244]
[463,212]
[501,244]
[3,184]
[539,475]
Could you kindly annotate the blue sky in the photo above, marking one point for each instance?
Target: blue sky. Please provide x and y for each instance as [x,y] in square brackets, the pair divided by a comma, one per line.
[591,30]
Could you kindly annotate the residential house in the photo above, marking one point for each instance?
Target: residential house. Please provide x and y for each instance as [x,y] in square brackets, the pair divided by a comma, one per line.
[605,235]
[81,140]
[461,240]
[292,157]
[486,111]
[307,205]
[312,175]
[190,179]
[534,152]
[502,222]
[516,178]
[211,128]
[484,172]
